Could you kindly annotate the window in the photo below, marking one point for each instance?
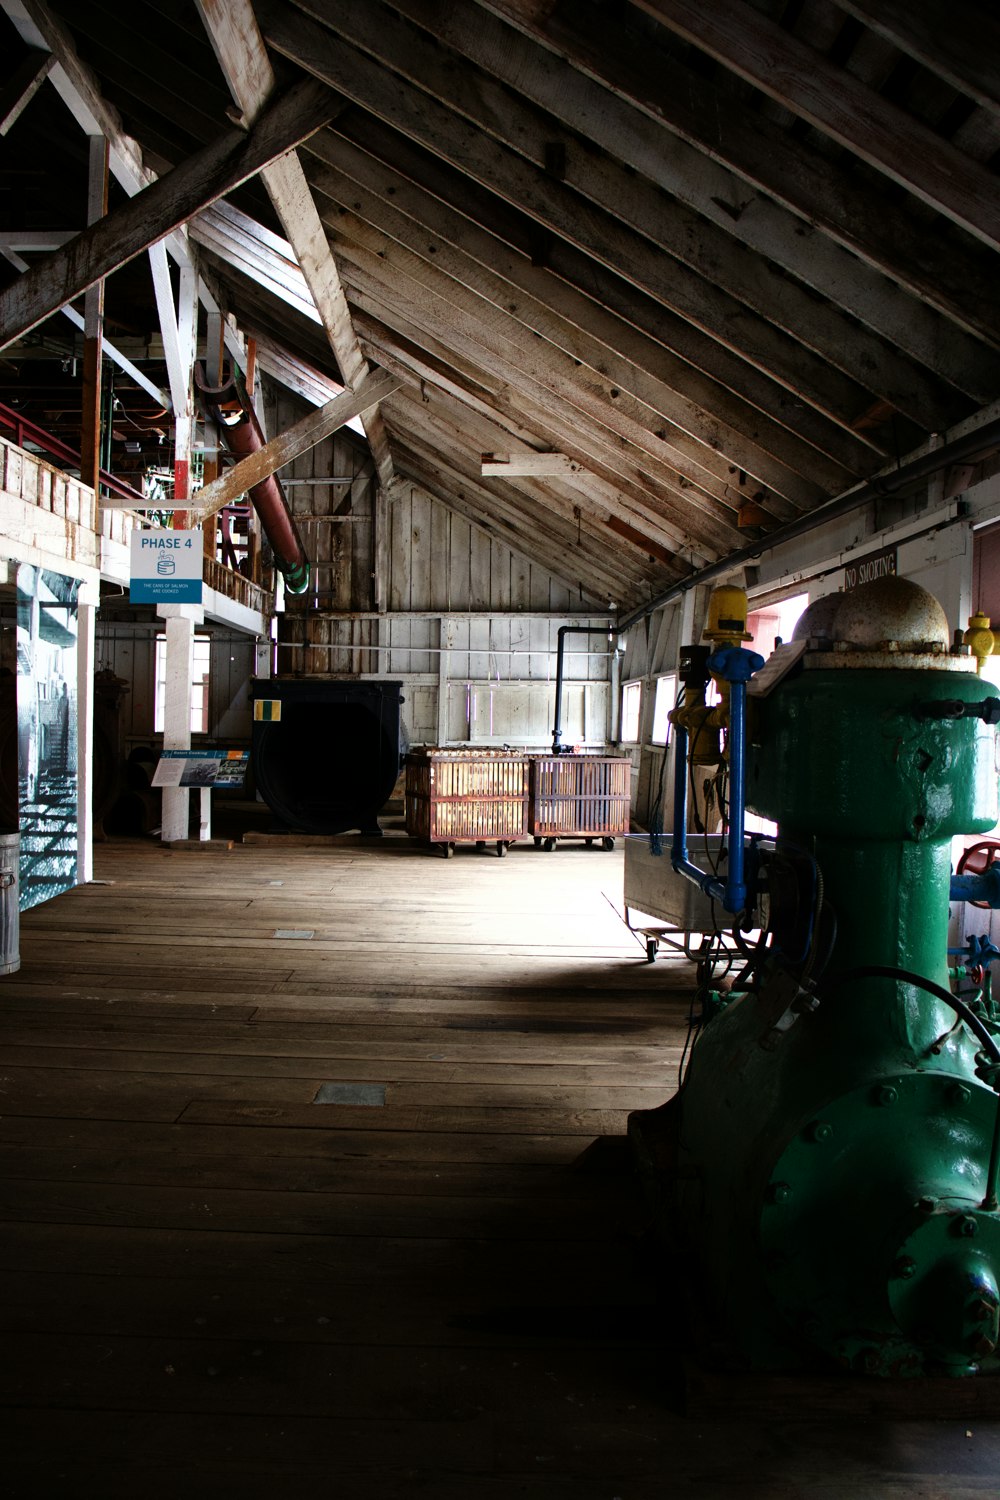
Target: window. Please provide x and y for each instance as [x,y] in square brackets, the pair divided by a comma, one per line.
[631,704]
[199,684]
[664,701]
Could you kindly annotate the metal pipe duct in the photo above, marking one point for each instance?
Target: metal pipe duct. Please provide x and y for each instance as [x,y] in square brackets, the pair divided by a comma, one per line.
[236,420]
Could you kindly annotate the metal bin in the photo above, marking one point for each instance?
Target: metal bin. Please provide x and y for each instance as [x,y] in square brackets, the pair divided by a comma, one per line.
[579,796]
[467,797]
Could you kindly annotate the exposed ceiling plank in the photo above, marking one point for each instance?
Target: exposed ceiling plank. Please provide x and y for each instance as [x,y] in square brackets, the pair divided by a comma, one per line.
[529,348]
[159,208]
[959,45]
[19,90]
[584,502]
[416,354]
[239,46]
[601,235]
[288,445]
[799,78]
[576,324]
[739,396]
[459,339]
[761,225]
[944,272]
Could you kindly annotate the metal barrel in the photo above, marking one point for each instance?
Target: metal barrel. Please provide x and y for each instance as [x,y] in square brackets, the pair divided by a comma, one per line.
[10,928]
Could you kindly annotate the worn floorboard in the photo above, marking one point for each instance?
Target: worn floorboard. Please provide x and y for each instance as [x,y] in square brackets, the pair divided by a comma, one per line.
[215,1286]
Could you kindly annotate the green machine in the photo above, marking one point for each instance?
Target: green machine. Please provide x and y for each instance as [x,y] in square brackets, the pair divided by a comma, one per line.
[830,1160]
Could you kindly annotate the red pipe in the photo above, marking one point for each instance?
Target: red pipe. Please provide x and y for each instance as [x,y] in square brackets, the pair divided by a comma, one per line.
[240,430]
[23,427]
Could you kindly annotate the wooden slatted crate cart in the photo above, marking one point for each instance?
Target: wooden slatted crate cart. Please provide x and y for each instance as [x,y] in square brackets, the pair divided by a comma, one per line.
[467,797]
[579,796]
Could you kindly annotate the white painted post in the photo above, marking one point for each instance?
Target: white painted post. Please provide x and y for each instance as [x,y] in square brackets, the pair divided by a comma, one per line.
[88,599]
[180,620]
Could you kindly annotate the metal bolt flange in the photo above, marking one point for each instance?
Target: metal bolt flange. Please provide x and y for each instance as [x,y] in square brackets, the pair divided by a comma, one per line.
[779,1192]
[905,1267]
[887,1094]
[821,1131]
[967,1225]
[959,1094]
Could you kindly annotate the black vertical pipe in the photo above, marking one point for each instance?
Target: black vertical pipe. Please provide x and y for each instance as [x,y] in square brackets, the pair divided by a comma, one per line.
[565,630]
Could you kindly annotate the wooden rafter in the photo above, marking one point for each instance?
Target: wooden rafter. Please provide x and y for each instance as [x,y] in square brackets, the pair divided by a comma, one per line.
[761,226]
[789,170]
[161,207]
[239,46]
[604,235]
[799,78]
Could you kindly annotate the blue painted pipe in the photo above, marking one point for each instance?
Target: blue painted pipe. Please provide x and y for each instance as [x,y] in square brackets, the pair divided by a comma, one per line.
[984,887]
[736,666]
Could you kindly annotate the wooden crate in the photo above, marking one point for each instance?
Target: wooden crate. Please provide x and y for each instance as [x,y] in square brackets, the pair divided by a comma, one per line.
[466,796]
[579,796]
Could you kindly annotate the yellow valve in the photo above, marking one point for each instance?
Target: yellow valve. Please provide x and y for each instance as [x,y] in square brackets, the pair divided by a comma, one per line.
[727,616]
[979,638]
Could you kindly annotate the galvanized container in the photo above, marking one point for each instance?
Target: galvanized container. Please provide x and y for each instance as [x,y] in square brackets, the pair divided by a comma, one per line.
[579,796]
[10,924]
[467,797]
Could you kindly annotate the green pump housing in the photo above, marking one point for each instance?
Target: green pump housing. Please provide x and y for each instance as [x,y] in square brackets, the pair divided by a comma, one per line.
[826,1159]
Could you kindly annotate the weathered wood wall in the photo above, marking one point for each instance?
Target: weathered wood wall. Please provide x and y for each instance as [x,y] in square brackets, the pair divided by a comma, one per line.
[404,588]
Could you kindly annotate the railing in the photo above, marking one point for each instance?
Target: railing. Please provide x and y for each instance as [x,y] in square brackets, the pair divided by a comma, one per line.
[234,586]
[31,479]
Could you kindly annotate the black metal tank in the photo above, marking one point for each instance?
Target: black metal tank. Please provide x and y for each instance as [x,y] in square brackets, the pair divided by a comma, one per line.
[326,751]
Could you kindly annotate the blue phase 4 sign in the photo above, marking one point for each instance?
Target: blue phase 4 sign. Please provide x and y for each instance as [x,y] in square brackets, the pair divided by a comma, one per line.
[166,567]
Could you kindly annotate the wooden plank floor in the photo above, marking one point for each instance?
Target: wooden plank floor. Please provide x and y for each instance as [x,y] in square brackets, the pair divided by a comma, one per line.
[215,1286]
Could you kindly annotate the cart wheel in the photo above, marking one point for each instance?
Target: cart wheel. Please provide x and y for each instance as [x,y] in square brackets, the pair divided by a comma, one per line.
[501,849]
[588,843]
[608,844]
[651,950]
[447,850]
[480,845]
[538,841]
[549,845]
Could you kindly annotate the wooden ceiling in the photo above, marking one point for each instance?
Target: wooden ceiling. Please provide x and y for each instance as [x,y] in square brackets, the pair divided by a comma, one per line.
[716,256]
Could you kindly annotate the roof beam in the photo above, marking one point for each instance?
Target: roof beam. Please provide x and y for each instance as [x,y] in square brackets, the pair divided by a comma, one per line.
[701,416]
[19,90]
[762,226]
[943,272]
[289,445]
[957,44]
[604,236]
[908,152]
[746,410]
[161,207]
[526,351]
[420,356]
[109,350]
[232,27]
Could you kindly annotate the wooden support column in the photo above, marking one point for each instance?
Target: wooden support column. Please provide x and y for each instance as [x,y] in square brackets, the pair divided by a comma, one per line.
[87,602]
[214,355]
[93,324]
[180,621]
[184,418]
